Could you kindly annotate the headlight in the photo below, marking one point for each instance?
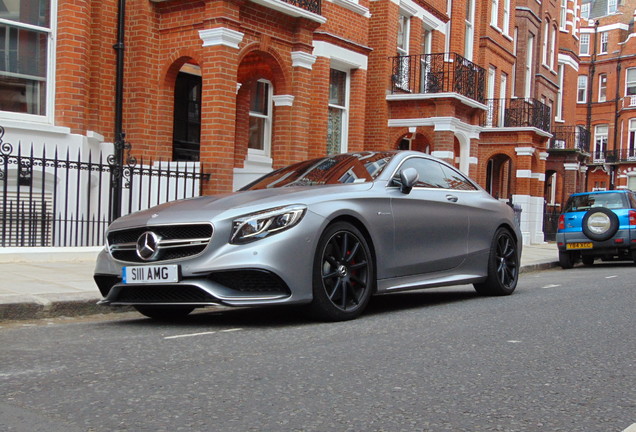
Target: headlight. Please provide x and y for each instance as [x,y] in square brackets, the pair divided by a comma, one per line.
[259,225]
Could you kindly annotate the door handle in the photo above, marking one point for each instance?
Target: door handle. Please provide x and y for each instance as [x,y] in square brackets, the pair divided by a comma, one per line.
[451,198]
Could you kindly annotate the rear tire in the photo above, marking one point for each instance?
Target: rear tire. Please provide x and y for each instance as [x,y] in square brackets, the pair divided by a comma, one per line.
[567,260]
[588,260]
[164,313]
[503,266]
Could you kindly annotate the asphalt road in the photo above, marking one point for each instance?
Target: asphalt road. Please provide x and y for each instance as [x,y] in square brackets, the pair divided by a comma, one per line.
[558,355]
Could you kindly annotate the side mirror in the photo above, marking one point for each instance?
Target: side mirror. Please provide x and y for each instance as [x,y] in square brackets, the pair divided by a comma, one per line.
[408,178]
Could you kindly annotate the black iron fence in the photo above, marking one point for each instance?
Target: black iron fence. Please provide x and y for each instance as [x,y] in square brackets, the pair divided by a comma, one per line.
[516,112]
[437,73]
[308,5]
[570,137]
[625,155]
[65,200]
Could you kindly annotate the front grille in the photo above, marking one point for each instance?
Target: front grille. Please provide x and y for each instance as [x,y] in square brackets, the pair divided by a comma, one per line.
[163,294]
[175,242]
[254,281]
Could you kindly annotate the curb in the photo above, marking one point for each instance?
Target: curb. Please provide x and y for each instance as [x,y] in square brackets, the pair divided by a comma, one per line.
[39,307]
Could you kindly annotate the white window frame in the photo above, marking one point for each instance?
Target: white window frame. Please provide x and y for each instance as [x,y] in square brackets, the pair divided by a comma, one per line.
[563,15]
[558,114]
[515,36]
[503,94]
[602,87]
[585,10]
[631,142]
[506,18]
[494,13]
[601,136]
[544,50]
[630,82]
[344,109]
[404,24]
[612,6]
[604,43]
[529,66]
[581,89]
[469,36]
[584,44]
[266,151]
[51,32]
[551,52]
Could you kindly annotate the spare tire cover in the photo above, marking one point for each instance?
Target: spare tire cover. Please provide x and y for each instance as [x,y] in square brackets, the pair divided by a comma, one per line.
[600,224]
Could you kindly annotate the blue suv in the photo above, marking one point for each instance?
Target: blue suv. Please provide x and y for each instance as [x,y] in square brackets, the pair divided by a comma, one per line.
[598,224]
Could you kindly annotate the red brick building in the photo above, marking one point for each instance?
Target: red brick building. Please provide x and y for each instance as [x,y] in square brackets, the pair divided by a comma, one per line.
[593,147]
[245,86]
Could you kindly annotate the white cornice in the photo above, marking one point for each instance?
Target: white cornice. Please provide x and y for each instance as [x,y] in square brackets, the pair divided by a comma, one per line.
[303,59]
[283,100]
[221,36]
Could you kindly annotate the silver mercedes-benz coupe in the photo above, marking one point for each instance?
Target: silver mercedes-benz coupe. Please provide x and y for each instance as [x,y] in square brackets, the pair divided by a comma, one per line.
[327,233]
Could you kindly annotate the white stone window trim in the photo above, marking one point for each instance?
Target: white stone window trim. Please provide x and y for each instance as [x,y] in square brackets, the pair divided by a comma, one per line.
[49,117]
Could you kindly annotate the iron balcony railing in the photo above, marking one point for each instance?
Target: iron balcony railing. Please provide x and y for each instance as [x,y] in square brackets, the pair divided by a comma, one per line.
[570,138]
[437,73]
[308,5]
[614,156]
[516,112]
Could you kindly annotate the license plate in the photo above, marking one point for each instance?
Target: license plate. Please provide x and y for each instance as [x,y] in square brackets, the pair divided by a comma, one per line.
[150,274]
[579,246]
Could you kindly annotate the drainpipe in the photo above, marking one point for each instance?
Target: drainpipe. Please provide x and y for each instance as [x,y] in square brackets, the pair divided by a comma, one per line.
[617,110]
[119,141]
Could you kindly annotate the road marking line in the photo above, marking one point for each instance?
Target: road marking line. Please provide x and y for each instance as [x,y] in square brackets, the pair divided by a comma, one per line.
[189,335]
[202,333]
[611,277]
[551,286]
[631,428]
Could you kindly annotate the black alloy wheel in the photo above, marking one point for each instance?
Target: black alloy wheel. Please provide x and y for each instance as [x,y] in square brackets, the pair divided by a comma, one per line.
[503,266]
[344,276]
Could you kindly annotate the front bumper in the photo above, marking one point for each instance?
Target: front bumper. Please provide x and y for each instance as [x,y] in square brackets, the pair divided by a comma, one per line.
[274,270]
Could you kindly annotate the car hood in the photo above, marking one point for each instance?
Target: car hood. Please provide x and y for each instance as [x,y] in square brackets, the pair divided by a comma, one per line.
[208,208]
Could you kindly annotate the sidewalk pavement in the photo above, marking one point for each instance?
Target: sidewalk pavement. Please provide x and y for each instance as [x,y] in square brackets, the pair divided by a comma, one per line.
[40,283]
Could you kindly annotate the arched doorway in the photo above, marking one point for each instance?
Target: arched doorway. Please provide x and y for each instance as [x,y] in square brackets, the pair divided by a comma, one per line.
[499,177]
[186,131]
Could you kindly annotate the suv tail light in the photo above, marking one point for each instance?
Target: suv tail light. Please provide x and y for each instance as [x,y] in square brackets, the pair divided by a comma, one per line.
[632,217]
[562,220]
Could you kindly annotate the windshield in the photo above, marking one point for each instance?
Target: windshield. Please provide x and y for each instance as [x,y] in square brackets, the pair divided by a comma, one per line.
[338,169]
[586,202]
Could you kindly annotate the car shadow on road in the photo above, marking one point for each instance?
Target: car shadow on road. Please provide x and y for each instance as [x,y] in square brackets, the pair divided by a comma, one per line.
[285,316]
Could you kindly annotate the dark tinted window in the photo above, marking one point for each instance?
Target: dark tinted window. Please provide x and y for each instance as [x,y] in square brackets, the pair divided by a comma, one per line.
[338,169]
[430,172]
[585,202]
[456,180]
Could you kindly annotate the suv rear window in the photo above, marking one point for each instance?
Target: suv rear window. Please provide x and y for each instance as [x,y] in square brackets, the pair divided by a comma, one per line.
[586,202]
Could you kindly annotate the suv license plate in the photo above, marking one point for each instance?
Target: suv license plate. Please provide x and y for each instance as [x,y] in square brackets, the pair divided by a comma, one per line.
[579,246]
[150,274]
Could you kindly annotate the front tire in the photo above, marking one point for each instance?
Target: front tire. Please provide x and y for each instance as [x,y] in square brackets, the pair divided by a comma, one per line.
[503,266]
[164,313]
[343,274]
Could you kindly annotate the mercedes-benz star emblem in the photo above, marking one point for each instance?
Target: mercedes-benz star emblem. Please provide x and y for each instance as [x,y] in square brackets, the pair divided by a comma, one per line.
[147,246]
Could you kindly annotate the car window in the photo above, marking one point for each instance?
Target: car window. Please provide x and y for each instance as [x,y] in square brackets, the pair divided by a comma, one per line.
[338,169]
[430,173]
[586,202]
[456,180]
